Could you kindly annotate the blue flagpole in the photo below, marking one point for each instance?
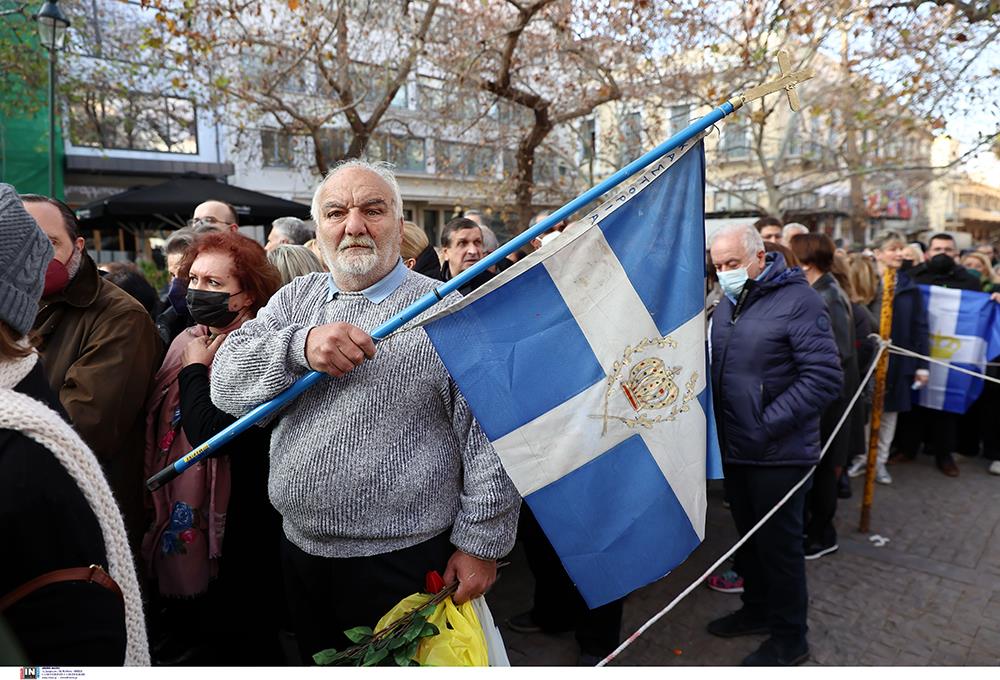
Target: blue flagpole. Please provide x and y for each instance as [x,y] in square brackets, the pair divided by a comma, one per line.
[432,298]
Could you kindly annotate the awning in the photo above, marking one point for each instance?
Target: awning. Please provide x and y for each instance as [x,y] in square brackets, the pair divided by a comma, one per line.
[171,203]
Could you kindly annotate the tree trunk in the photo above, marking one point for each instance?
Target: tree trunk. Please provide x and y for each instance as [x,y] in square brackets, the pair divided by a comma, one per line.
[359,142]
[525,189]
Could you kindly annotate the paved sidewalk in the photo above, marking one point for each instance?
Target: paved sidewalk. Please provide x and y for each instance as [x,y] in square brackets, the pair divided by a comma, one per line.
[930,596]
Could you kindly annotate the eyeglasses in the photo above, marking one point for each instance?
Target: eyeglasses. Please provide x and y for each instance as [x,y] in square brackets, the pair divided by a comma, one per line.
[207,221]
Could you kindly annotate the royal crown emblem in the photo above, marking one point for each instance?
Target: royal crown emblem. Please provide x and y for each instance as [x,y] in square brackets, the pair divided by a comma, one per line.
[649,386]
[944,346]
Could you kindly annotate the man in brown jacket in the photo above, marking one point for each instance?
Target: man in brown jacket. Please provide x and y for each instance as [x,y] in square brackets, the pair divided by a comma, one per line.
[100,352]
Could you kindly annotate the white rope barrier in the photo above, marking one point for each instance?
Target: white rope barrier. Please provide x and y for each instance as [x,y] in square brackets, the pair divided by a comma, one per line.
[894,349]
[687,591]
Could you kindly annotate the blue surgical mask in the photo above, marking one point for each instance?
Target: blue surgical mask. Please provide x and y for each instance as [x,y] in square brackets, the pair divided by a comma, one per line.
[732,281]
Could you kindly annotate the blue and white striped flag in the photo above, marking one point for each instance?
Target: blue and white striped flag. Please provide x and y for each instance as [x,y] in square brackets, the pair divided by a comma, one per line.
[585,364]
[965,329]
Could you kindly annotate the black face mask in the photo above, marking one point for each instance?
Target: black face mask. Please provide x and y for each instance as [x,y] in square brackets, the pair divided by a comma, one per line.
[210,309]
[941,264]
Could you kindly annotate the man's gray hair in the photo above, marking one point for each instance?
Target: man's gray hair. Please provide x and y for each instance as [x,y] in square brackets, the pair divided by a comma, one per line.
[752,242]
[490,241]
[297,231]
[381,168]
[179,241]
[793,229]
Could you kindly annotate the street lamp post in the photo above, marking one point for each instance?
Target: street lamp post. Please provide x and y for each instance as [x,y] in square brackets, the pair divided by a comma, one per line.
[52,27]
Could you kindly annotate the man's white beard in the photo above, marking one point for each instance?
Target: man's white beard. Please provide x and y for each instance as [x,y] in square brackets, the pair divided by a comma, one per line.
[356,268]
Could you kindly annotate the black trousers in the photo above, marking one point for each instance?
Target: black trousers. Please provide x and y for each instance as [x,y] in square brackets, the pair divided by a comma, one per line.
[936,429]
[979,424]
[821,501]
[327,596]
[558,606]
[771,562]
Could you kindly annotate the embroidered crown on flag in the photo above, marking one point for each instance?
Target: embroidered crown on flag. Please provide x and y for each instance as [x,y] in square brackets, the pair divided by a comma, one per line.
[965,330]
[585,364]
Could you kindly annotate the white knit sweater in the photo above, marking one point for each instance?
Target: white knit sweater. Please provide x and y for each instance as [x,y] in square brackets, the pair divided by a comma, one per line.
[40,423]
[381,459]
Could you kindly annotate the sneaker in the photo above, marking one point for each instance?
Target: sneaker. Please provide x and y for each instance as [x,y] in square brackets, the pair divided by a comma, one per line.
[882,475]
[523,623]
[995,467]
[946,464]
[726,582]
[737,624]
[857,467]
[771,653]
[815,550]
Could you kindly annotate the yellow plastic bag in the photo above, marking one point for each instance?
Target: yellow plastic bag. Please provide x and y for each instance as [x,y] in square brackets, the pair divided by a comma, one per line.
[460,640]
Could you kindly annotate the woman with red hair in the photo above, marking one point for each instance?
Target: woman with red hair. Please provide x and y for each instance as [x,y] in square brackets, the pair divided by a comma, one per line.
[214,533]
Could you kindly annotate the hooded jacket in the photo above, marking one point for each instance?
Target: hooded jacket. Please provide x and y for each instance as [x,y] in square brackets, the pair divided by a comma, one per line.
[775,367]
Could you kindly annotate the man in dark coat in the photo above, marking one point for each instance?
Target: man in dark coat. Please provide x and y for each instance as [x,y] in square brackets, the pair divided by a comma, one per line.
[100,351]
[775,368]
[938,430]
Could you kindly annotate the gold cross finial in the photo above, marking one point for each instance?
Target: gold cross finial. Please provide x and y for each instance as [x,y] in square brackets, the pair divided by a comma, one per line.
[785,64]
[787,82]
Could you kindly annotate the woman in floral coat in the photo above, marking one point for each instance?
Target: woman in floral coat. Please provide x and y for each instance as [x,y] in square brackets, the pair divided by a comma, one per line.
[212,547]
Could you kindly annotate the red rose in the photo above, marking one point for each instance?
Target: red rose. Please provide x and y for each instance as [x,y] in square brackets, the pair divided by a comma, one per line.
[187,535]
[433,582]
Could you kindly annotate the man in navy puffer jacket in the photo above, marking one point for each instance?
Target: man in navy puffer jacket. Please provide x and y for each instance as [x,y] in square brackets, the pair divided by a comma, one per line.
[775,368]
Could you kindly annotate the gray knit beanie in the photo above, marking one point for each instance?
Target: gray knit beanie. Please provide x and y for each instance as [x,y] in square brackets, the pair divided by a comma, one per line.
[25,253]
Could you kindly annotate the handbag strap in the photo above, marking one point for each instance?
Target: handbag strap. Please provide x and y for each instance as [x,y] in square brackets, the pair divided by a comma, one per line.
[92,574]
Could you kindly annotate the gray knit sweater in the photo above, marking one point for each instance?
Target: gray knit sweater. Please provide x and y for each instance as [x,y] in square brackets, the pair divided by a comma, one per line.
[381,459]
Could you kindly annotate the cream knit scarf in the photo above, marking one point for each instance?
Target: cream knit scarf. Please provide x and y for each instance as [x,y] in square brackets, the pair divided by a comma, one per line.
[37,421]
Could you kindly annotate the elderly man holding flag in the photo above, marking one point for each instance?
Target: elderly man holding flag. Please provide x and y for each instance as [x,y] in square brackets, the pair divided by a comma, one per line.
[381,473]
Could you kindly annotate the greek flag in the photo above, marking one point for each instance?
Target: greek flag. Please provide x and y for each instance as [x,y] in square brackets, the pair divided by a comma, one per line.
[585,364]
[965,330]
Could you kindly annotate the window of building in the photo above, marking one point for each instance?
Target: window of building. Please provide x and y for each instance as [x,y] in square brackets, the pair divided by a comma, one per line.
[736,139]
[276,148]
[680,116]
[406,153]
[740,199]
[631,138]
[588,140]
[133,121]
[465,160]
[793,139]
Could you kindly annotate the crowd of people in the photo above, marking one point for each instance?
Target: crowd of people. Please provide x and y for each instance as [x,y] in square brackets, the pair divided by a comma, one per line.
[325,515]
[786,363]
